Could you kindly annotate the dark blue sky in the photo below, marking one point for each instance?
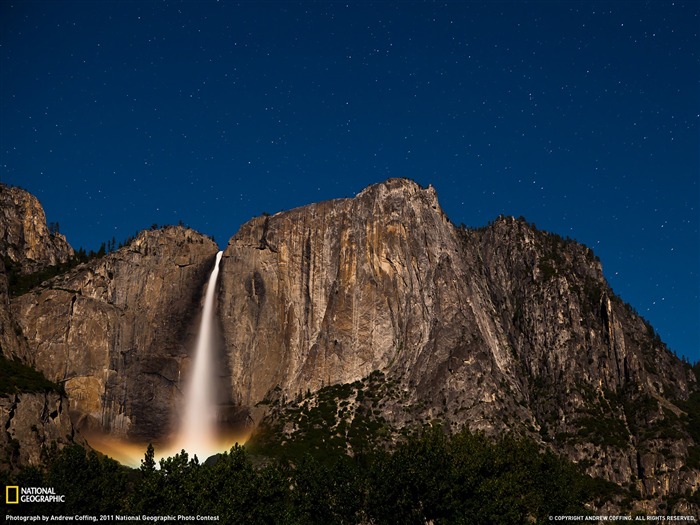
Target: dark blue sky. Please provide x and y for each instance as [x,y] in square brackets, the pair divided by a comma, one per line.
[580,116]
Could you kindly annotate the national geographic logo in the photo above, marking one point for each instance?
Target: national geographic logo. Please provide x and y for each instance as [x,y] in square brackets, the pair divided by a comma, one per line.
[14,495]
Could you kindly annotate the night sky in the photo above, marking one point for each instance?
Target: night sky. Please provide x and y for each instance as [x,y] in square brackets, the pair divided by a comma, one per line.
[580,116]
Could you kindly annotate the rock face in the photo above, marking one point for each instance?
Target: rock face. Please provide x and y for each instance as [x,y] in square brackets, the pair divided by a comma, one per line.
[24,237]
[601,386]
[330,292]
[114,331]
[503,328]
[500,328]
[12,344]
[30,423]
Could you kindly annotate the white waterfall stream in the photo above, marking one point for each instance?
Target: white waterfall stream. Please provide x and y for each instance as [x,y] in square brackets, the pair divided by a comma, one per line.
[198,433]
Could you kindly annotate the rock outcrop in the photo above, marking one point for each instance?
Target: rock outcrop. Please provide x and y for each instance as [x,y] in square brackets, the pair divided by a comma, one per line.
[114,331]
[31,422]
[25,238]
[328,293]
[12,344]
[500,328]
[602,387]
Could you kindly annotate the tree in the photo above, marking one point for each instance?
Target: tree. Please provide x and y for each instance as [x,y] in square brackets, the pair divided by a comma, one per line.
[91,484]
[148,463]
[147,494]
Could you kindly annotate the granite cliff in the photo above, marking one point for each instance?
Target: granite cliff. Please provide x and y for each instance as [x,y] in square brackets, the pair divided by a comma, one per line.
[32,415]
[114,331]
[32,422]
[382,311]
[25,238]
[501,328]
[30,418]
[12,343]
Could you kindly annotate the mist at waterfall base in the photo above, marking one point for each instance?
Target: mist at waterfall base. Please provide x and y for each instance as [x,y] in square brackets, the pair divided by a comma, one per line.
[198,430]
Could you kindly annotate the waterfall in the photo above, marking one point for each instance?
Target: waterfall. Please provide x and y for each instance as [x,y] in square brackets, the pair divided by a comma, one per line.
[198,429]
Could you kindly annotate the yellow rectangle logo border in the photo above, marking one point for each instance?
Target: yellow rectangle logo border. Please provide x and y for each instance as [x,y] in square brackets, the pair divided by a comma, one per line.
[7,494]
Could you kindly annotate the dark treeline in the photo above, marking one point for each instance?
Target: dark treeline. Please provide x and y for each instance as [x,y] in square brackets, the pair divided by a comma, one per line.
[20,283]
[466,478]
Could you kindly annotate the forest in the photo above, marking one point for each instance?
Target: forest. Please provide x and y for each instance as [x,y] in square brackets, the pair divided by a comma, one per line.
[429,477]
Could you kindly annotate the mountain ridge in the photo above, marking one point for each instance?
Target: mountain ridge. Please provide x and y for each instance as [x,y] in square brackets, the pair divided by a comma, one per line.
[500,328]
[480,327]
